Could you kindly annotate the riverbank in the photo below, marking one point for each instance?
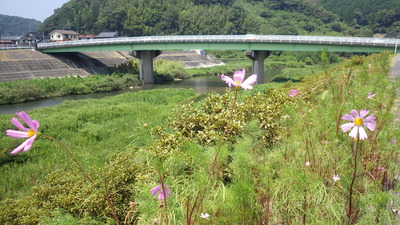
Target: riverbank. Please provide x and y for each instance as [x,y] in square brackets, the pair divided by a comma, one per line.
[13,92]
[281,159]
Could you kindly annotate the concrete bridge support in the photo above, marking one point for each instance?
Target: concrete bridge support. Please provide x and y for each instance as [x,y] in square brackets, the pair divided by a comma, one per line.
[146,71]
[258,63]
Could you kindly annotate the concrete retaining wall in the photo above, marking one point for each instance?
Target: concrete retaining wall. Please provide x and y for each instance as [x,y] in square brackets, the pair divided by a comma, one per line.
[31,64]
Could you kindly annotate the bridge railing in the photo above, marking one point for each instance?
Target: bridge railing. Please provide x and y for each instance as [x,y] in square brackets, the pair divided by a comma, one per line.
[229,38]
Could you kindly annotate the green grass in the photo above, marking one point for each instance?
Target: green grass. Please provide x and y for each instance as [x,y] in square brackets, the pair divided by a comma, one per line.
[260,175]
[91,128]
[29,90]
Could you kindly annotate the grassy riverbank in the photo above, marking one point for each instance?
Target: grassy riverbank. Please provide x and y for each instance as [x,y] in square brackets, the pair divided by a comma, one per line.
[277,155]
[30,90]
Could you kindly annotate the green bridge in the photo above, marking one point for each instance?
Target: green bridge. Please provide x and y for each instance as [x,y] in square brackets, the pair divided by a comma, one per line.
[257,47]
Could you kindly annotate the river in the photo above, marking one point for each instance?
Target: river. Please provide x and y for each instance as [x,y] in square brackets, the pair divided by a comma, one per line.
[202,85]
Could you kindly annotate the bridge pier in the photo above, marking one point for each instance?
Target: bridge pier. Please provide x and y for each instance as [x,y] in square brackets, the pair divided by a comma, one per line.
[258,58]
[146,71]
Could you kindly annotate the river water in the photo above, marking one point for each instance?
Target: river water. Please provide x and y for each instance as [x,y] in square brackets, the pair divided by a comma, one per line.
[202,85]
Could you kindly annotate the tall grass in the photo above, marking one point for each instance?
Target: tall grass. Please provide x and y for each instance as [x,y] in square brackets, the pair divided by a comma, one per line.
[275,165]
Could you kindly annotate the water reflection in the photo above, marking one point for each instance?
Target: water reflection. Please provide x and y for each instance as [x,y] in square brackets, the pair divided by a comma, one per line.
[202,85]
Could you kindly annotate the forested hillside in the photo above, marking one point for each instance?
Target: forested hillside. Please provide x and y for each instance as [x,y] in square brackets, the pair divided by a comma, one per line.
[14,25]
[172,17]
[381,16]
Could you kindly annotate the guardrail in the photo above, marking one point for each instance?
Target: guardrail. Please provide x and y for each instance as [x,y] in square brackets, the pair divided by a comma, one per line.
[14,47]
[387,42]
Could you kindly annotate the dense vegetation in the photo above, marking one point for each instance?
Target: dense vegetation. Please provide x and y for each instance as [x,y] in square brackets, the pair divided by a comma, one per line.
[16,26]
[153,17]
[380,18]
[30,90]
[277,155]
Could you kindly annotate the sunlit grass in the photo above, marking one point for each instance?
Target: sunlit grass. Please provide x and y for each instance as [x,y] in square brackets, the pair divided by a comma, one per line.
[276,165]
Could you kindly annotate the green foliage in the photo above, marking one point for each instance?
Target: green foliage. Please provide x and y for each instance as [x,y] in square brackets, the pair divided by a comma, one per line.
[381,18]
[228,68]
[30,90]
[183,17]
[208,123]
[16,26]
[166,70]
[131,66]
[259,153]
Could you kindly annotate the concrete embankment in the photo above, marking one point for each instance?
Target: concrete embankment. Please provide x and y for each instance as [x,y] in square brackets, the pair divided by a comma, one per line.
[31,64]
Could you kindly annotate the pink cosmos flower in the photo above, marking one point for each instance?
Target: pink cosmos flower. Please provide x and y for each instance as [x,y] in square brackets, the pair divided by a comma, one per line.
[371,95]
[159,189]
[357,123]
[381,168]
[393,141]
[238,78]
[293,93]
[23,132]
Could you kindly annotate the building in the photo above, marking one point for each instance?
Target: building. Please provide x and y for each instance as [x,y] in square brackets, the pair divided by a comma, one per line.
[9,40]
[63,35]
[108,35]
[86,36]
[30,38]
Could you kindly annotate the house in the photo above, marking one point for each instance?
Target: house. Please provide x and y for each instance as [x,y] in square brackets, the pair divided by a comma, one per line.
[9,40]
[86,36]
[63,35]
[108,35]
[30,38]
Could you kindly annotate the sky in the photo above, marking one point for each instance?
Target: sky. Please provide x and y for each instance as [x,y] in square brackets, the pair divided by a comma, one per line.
[38,10]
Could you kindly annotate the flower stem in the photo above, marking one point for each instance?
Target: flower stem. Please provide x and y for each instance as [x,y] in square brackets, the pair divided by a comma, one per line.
[106,194]
[352,183]
[196,207]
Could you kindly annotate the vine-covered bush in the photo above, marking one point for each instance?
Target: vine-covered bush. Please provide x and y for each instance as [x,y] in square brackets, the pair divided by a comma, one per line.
[207,123]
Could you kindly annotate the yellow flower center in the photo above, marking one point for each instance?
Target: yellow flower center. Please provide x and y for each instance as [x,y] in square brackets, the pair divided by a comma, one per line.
[31,133]
[238,82]
[358,121]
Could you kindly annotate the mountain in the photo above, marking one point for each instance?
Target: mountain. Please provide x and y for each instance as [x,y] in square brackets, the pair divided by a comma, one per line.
[15,26]
[382,17]
[185,17]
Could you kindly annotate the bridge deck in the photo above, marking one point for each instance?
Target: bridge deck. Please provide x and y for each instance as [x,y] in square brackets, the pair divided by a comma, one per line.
[237,42]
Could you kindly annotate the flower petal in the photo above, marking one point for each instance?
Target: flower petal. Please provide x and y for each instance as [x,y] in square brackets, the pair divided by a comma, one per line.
[370,125]
[353,133]
[345,127]
[16,134]
[18,124]
[348,117]
[155,189]
[362,133]
[35,125]
[239,75]
[167,189]
[228,80]
[161,195]
[249,81]
[19,148]
[29,143]
[363,113]
[370,118]
[354,113]
[24,117]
